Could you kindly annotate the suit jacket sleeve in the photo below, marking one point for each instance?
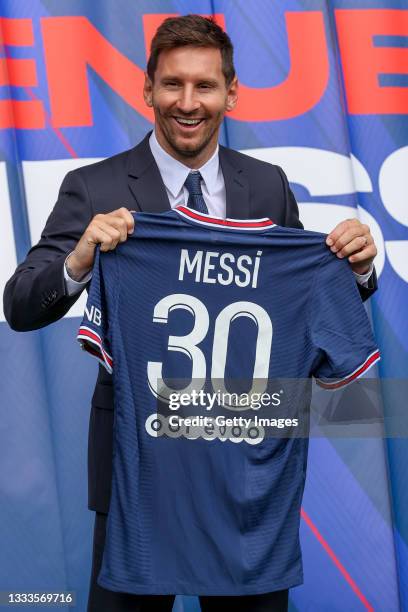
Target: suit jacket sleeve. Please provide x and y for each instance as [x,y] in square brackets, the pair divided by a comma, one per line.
[292,220]
[35,295]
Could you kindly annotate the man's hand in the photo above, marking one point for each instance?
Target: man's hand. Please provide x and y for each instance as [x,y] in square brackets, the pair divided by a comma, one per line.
[353,239]
[107,230]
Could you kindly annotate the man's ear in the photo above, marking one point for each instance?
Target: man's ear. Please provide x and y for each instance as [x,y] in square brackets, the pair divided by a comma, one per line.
[232,94]
[148,90]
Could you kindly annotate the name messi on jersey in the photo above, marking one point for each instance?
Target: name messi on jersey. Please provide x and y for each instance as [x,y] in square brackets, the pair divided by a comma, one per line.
[222,268]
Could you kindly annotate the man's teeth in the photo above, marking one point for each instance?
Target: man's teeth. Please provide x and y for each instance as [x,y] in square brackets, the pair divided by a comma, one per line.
[188,121]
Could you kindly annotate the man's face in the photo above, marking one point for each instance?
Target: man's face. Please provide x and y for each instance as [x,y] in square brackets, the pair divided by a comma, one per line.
[189,97]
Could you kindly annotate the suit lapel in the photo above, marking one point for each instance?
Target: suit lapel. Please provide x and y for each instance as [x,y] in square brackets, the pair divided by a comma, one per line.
[236,187]
[145,181]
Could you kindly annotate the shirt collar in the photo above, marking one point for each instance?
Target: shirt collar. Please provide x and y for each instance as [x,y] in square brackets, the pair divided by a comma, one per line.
[174,173]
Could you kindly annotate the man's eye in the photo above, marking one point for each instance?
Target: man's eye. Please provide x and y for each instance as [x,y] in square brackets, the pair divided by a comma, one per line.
[171,84]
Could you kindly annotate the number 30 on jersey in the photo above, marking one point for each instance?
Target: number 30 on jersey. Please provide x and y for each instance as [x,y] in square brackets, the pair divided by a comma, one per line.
[188,344]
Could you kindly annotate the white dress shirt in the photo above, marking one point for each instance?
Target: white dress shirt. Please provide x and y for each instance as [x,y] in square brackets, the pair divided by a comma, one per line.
[174,175]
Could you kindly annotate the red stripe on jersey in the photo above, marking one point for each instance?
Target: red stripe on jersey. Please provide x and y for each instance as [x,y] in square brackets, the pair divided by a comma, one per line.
[94,336]
[224,222]
[348,379]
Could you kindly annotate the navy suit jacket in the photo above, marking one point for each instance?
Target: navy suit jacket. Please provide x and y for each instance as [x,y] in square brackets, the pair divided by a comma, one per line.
[35,295]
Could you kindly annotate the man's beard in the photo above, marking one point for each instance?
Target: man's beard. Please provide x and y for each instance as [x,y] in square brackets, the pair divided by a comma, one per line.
[189,153]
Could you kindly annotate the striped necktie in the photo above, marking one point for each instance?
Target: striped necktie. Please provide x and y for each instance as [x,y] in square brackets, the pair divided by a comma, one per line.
[195,198]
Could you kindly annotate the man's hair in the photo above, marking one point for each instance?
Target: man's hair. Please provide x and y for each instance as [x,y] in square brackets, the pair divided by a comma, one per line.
[195,31]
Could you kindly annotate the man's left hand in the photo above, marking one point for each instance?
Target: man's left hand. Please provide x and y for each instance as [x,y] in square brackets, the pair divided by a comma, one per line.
[353,239]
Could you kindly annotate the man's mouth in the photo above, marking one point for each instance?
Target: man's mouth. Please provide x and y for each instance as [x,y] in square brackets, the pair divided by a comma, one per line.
[188,123]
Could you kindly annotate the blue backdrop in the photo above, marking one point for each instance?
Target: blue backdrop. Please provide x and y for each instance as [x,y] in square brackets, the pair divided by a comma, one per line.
[324,93]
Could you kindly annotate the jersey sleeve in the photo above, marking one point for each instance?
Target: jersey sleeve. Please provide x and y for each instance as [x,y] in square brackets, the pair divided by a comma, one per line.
[340,328]
[93,334]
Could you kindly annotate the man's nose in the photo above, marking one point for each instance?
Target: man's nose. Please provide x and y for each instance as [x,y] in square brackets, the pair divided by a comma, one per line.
[188,101]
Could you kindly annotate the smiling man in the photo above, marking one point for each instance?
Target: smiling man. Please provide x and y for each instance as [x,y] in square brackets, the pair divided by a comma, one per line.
[190,93]
[191,85]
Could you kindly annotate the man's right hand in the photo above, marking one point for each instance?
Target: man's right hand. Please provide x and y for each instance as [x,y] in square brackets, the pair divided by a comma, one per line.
[107,231]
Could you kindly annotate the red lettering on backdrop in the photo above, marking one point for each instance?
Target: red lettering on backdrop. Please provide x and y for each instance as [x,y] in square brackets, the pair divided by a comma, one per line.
[307,78]
[306,82]
[67,64]
[68,82]
[363,62]
[16,32]
[72,44]
[17,72]
[23,114]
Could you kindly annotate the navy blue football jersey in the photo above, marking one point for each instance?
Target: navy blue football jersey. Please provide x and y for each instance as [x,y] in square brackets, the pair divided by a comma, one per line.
[201,321]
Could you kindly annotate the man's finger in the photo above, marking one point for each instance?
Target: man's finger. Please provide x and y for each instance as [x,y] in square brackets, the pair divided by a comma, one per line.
[352,231]
[125,214]
[119,223]
[366,254]
[354,246]
[98,236]
[106,235]
[340,229]
[344,238]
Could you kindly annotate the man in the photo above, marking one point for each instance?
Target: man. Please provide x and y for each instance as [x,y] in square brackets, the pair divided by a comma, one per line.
[190,84]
